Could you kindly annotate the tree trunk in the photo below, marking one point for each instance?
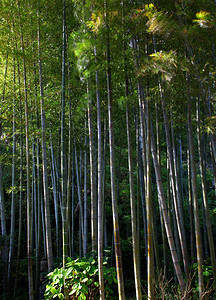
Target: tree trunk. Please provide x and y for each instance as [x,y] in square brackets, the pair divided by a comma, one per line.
[34,196]
[142,192]
[92,178]
[195,202]
[68,200]
[100,200]
[20,186]
[3,231]
[213,159]
[72,205]
[85,204]
[29,204]
[44,160]
[190,208]
[179,219]
[136,258]
[63,148]
[12,229]
[180,205]
[55,195]
[160,210]
[166,218]
[205,198]
[39,223]
[149,208]
[118,254]
[79,197]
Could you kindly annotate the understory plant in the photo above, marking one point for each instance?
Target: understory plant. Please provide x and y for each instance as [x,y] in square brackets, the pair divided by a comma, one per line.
[79,280]
[165,289]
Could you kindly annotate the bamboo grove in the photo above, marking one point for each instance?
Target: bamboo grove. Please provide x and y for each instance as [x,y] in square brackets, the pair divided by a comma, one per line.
[108,141]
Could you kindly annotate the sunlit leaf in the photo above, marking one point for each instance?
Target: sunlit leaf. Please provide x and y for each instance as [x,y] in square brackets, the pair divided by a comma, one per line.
[203,19]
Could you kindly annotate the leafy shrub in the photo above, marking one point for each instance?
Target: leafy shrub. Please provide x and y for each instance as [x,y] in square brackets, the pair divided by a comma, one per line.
[207,276]
[79,280]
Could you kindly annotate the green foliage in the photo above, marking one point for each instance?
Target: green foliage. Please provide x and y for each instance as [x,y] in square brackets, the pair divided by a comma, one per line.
[161,23]
[203,19]
[96,21]
[207,273]
[148,39]
[162,63]
[79,279]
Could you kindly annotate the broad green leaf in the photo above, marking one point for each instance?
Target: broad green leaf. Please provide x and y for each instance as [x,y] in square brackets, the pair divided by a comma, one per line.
[61,296]
[84,289]
[53,290]
[89,281]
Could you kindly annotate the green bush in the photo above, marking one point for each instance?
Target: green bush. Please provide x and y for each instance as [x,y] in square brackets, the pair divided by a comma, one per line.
[79,280]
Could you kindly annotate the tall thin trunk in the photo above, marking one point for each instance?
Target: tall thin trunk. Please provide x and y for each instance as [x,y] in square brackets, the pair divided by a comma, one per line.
[167,223]
[100,187]
[149,209]
[43,223]
[143,134]
[20,184]
[79,197]
[3,231]
[213,143]
[12,229]
[69,179]
[179,219]
[211,135]
[34,179]
[29,204]
[44,159]
[2,204]
[100,200]
[135,232]
[85,204]
[144,106]
[160,210]
[142,119]
[118,254]
[195,201]
[155,237]
[92,178]
[136,258]
[57,181]
[205,198]
[190,207]
[34,196]
[103,180]
[180,166]
[213,166]
[39,223]
[180,205]
[141,150]
[63,149]
[37,191]
[55,196]
[68,213]
[136,121]
[72,205]
[142,192]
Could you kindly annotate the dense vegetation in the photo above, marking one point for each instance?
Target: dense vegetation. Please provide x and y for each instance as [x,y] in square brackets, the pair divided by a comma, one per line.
[107,149]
